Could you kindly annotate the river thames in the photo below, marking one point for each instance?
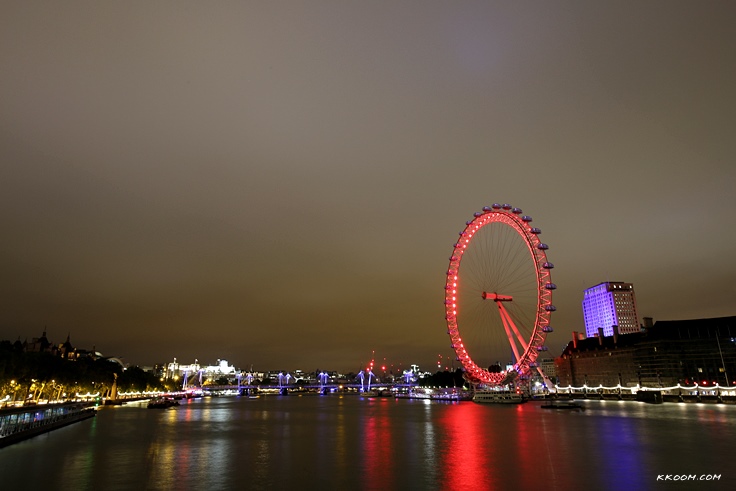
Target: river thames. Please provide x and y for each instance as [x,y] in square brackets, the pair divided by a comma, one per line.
[351,442]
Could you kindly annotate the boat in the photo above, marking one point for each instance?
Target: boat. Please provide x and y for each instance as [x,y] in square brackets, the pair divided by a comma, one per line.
[435,394]
[162,403]
[498,397]
[23,422]
[563,405]
[649,396]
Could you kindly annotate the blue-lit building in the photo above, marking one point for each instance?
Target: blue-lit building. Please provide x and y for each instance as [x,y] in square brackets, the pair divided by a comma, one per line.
[610,304]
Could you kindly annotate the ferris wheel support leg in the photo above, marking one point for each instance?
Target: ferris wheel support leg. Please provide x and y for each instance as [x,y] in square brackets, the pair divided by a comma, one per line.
[505,313]
[508,331]
[550,385]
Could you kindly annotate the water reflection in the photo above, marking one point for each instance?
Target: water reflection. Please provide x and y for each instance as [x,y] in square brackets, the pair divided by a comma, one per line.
[530,446]
[332,448]
[621,453]
[467,449]
[331,442]
[429,444]
[77,467]
[377,444]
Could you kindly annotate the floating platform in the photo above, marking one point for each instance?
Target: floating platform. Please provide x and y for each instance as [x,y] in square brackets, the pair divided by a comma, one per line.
[570,405]
[20,423]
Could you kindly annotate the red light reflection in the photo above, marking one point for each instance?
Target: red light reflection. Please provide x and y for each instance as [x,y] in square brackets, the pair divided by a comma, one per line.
[467,457]
[377,459]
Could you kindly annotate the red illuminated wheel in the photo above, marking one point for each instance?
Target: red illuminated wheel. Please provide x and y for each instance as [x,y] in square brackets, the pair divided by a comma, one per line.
[499,294]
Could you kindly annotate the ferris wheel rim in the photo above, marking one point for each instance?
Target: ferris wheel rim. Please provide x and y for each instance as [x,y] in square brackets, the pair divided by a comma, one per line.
[521,224]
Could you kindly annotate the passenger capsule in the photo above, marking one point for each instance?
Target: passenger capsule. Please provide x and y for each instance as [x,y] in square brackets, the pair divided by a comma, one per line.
[548,266]
[535,231]
[526,218]
[477,214]
[496,206]
[486,208]
[550,308]
[506,206]
[542,246]
[541,348]
[517,211]
[468,222]
[547,329]
[533,364]
[550,286]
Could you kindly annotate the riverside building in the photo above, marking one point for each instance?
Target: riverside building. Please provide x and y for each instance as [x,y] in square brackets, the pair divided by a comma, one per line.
[687,352]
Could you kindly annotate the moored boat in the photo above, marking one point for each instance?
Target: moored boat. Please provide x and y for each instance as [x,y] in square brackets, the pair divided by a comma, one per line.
[20,423]
[563,405]
[161,403]
[498,397]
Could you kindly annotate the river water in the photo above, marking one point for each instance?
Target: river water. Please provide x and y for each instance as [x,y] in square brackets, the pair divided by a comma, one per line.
[356,443]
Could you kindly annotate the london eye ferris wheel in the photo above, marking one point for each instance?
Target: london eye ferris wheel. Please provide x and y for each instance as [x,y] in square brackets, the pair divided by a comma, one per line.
[498,296]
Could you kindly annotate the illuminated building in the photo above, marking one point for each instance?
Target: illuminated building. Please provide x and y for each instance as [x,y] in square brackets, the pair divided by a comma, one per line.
[610,304]
[222,369]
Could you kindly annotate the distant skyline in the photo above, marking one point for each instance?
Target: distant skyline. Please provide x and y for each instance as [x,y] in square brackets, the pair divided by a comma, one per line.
[281,184]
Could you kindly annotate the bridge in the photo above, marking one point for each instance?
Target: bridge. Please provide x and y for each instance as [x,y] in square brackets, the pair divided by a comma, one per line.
[285,389]
[364,382]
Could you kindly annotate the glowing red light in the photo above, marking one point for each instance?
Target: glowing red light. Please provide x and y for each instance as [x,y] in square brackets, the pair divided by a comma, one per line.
[500,214]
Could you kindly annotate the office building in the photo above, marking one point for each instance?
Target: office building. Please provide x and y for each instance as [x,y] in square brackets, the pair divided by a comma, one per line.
[610,304]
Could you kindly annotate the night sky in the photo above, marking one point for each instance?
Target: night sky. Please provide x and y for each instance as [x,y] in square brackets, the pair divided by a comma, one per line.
[280,183]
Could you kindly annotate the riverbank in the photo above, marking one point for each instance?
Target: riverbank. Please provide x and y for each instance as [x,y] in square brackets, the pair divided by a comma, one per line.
[652,397]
